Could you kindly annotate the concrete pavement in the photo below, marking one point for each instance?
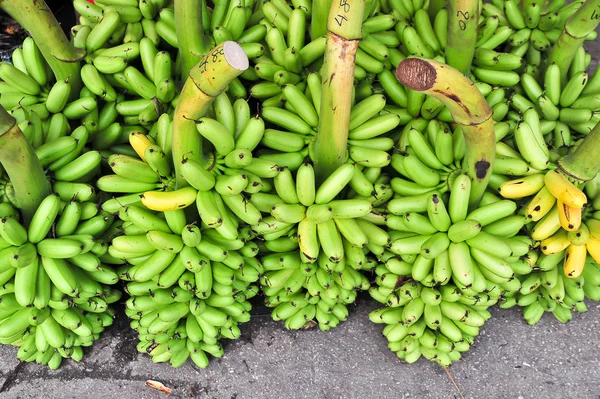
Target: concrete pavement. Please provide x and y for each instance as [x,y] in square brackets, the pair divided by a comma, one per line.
[510,359]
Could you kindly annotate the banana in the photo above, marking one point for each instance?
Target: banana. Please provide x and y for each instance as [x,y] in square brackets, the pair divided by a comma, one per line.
[522,187]
[330,241]
[19,80]
[43,219]
[169,200]
[570,218]
[459,198]
[540,205]
[574,263]
[565,191]
[334,184]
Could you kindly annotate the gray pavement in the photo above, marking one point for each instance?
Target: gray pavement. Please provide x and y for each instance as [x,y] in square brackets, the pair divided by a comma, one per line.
[510,359]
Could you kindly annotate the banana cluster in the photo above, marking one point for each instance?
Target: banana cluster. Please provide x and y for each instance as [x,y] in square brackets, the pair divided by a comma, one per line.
[445,266]
[188,286]
[436,323]
[527,32]
[55,287]
[319,244]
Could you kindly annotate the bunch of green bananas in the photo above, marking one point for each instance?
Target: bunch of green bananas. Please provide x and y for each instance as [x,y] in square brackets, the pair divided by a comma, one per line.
[55,287]
[188,286]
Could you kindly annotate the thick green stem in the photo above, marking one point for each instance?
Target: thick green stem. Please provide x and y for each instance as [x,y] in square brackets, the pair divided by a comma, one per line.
[463,18]
[343,36]
[206,81]
[469,110]
[583,164]
[193,44]
[22,166]
[37,18]
[320,13]
[583,22]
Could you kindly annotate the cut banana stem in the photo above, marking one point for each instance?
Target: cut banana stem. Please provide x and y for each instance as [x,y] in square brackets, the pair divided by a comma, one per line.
[583,164]
[206,81]
[469,109]
[343,37]
[22,165]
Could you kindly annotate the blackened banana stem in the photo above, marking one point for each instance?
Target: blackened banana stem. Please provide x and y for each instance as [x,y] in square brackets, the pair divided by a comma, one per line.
[343,36]
[22,166]
[469,110]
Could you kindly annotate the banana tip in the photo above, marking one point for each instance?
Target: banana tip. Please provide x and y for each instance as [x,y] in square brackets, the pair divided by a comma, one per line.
[416,73]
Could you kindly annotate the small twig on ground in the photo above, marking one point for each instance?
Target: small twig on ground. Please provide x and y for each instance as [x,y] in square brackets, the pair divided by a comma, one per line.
[159,386]
[454,382]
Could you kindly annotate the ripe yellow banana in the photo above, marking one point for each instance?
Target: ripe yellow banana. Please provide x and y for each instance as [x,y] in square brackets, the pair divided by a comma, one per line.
[570,218]
[565,191]
[574,260]
[169,200]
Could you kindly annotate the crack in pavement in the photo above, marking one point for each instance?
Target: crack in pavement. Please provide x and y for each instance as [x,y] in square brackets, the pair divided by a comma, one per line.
[12,377]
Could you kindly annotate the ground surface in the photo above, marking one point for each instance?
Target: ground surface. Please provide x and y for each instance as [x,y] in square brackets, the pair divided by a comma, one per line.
[510,359]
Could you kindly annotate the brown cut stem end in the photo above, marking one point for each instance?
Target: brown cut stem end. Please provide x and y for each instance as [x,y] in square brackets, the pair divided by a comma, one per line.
[416,74]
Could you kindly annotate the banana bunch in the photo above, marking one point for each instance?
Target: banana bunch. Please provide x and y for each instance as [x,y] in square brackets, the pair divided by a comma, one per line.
[436,323]
[527,32]
[547,289]
[26,82]
[55,287]
[112,23]
[549,120]
[188,286]
[318,244]
[557,208]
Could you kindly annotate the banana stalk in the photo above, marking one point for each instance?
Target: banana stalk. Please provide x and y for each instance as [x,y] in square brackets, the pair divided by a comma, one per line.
[35,17]
[206,81]
[22,166]
[583,22]
[343,36]
[193,44]
[583,164]
[463,19]
[320,13]
[469,110]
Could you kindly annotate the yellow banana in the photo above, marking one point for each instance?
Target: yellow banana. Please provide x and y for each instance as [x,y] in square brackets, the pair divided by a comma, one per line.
[565,191]
[574,260]
[570,218]
[169,200]
[540,205]
[555,243]
[523,187]
[139,142]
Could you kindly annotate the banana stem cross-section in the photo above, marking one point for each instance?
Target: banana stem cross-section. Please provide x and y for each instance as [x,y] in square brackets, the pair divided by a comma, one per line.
[37,18]
[463,19]
[469,110]
[22,166]
[206,81]
[583,164]
[343,36]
